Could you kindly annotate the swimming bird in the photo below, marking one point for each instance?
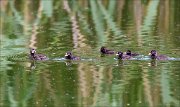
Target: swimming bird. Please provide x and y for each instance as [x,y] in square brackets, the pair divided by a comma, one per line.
[34,56]
[104,50]
[128,52]
[69,56]
[153,55]
[122,56]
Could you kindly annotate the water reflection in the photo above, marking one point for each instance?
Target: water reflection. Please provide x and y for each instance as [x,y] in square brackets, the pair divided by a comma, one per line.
[153,63]
[32,66]
[57,26]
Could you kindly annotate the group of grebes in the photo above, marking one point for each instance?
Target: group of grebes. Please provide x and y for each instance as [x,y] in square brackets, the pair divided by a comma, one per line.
[128,54]
[103,50]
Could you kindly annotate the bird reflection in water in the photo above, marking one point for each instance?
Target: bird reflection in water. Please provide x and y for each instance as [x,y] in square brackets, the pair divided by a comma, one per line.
[68,63]
[152,63]
[120,63]
[32,66]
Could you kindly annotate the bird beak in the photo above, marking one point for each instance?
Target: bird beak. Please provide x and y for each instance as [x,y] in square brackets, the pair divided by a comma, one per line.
[149,54]
[66,54]
[33,51]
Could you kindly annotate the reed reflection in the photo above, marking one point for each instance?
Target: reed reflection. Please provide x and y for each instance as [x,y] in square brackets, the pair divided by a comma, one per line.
[57,26]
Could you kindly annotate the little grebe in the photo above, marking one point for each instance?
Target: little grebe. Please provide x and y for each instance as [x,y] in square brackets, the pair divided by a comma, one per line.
[69,56]
[128,52]
[35,56]
[153,54]
[120,55]
[104,50]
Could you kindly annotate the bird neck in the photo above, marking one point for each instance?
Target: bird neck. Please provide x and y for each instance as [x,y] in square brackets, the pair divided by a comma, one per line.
[33,54]
[68,57]
[120,57]
[153,56]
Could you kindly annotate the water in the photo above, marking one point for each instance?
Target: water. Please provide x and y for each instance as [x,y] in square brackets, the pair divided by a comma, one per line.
[54,27]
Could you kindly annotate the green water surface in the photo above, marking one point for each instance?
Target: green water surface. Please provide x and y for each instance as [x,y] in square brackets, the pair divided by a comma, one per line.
[54,27]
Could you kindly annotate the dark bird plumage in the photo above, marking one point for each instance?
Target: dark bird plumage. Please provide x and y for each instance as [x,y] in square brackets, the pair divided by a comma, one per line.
[69,56]
[104,50]
[128,52]
[120,55]
[153,55]
[35,56]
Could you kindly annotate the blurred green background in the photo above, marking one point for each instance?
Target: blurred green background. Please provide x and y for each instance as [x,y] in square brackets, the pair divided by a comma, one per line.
[54,27]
